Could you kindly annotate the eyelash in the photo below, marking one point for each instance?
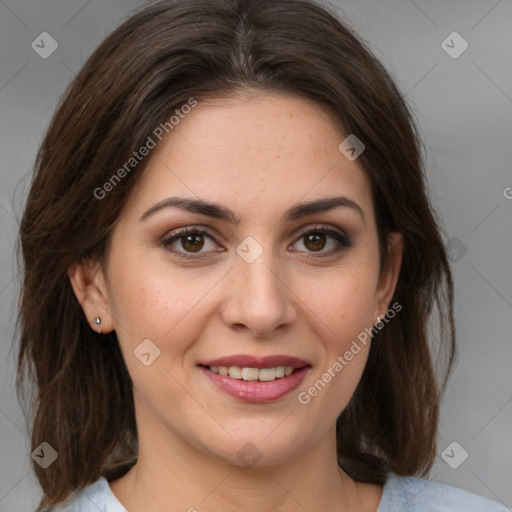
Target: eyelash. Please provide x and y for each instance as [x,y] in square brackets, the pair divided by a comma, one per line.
[343,241]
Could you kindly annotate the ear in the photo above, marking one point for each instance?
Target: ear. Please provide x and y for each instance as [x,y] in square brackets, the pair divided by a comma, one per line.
[389,275]
[88,283]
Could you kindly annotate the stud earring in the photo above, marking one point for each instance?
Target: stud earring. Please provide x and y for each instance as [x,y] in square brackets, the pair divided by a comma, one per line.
[97,321]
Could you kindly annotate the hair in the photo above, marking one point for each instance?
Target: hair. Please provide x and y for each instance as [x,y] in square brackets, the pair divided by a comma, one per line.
[158,59]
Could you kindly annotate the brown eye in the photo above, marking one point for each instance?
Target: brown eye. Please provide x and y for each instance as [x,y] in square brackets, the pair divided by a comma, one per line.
[322,240]
[192,243]
[315,241]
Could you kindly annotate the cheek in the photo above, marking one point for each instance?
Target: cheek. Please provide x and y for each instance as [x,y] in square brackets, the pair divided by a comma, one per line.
[342,300]
[147,306]
[343,307]
[152,301]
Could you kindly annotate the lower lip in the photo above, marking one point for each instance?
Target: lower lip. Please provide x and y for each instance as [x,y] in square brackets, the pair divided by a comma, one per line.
[256,391]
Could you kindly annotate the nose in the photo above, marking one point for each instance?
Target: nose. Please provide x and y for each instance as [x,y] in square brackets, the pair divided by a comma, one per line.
[258,299]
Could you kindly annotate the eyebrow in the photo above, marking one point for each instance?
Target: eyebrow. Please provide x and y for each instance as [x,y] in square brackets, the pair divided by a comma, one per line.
[216,211]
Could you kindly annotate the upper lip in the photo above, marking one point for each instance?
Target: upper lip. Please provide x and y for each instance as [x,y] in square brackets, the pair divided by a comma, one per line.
[248,361]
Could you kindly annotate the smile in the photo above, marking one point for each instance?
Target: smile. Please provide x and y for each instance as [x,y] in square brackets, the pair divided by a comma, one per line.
[256,379]
[251,374]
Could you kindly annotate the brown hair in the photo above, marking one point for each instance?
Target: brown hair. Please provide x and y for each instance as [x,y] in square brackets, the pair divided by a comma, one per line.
[154,62]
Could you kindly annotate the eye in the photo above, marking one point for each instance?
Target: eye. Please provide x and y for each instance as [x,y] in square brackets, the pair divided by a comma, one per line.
[316,240]
[189,241]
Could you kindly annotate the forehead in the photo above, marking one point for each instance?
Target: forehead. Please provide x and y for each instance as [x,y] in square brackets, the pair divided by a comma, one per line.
[250,152]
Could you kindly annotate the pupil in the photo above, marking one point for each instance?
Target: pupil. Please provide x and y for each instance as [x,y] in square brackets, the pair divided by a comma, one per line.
[315,242]
[192,242]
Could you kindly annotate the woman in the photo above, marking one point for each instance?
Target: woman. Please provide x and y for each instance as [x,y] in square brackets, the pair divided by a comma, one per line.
[230,264]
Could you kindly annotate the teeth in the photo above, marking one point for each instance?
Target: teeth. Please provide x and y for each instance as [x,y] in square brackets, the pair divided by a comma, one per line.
[235,372]
[252,374]
[266,374]
[248,373]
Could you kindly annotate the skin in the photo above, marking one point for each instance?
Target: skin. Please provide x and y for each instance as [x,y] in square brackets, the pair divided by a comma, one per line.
[258,155]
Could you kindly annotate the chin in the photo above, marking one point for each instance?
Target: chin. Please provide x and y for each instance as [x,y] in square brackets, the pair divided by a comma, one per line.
[269,444]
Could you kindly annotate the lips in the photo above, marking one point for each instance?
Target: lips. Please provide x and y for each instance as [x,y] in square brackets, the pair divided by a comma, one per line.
[256,379]
[246,361]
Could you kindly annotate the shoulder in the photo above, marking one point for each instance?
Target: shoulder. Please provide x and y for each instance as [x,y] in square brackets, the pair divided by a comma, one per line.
[95,498]
[414,494]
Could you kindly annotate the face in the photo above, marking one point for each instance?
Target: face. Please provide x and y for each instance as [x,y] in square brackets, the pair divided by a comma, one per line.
[248,248]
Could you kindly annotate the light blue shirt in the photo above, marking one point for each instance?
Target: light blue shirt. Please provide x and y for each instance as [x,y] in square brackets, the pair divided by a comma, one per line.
[400,494]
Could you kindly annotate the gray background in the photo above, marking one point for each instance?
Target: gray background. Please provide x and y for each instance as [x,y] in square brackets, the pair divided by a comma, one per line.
[464,107]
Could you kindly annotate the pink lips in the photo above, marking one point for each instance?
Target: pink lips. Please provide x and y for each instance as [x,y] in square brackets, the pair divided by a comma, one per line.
[256,391]
[256,362]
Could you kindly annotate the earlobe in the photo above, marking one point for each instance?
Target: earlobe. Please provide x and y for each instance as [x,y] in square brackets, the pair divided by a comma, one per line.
[389,275]
[86,278]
